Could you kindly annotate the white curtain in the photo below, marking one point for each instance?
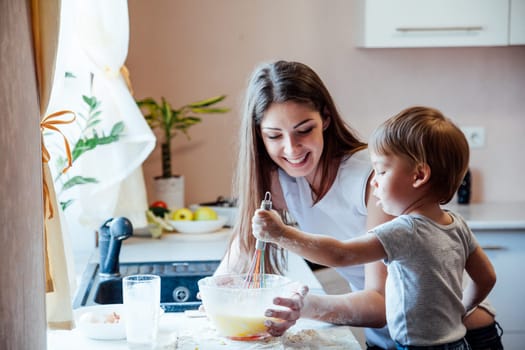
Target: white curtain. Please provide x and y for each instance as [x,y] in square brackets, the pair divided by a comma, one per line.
[93,46]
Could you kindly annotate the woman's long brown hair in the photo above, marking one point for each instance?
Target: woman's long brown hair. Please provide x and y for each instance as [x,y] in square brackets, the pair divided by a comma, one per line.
[270,83]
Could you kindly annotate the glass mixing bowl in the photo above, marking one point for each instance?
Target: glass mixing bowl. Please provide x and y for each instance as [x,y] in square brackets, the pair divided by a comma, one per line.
[237,310]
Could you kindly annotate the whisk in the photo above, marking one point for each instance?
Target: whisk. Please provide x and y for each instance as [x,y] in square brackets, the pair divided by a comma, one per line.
[255,275]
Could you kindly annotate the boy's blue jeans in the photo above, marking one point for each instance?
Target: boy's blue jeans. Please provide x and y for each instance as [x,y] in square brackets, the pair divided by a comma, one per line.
[457,345]
[486,338]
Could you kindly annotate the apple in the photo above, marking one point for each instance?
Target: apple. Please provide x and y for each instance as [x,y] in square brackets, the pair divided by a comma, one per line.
[205,213]
[182,214]
[159,208]
[160,204]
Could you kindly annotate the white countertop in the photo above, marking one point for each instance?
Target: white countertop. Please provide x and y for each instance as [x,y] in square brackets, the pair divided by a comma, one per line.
[177,331]
[492,216]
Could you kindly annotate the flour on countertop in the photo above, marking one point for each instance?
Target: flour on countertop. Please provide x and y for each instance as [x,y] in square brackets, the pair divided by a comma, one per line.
[330,338]
[324,338]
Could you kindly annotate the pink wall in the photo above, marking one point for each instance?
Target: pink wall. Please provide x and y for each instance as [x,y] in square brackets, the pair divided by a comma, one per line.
[188,50]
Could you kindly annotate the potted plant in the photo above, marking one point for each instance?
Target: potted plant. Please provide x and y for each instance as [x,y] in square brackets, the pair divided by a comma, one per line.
[161,115]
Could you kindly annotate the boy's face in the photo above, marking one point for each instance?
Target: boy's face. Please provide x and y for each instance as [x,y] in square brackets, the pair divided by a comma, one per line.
[393,183]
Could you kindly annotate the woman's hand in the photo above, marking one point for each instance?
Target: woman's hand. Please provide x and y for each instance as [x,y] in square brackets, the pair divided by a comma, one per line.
[267,225]
[287,317]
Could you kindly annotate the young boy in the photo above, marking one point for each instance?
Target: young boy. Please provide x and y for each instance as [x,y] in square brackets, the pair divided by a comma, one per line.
[419,158]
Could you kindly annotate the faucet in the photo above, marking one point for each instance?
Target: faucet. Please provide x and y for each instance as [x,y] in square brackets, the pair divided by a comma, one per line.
[112,232]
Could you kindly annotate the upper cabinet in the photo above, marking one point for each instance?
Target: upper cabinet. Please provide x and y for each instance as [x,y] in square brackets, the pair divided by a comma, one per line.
[439,23]
[517,22]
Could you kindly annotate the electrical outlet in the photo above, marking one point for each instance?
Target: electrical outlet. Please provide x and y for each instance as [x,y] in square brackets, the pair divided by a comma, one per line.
[475,136]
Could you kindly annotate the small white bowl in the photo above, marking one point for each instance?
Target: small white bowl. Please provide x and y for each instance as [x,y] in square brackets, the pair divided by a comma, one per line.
[199,226]
[92,321]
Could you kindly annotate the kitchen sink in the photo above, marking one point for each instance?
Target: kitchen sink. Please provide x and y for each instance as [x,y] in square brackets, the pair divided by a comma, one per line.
[178,283]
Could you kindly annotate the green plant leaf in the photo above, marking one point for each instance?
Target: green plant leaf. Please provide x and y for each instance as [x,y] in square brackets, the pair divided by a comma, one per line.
[78,180]
[106,140]
[209,110]
[147,102]
[96,114]
[152,122]
[66,204]
[117,129]
[81,147]
[92,123]
[90,101]
[207,102]
[88,143]
[187,122]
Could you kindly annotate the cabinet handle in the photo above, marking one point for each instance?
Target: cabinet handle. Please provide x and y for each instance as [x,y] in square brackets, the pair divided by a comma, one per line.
[493,247]
[439,29]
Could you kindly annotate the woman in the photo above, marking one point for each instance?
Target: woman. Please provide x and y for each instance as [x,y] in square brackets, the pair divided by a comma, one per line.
[294,143]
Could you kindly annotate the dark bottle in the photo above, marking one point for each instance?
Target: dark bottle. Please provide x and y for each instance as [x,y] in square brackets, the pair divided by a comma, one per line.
[465,189]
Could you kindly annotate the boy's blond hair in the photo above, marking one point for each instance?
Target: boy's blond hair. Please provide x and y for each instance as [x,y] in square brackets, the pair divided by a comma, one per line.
[424,135]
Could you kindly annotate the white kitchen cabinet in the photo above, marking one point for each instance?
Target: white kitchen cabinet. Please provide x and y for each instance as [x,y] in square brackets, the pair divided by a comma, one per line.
[517,22]
[437,23]
[506,250]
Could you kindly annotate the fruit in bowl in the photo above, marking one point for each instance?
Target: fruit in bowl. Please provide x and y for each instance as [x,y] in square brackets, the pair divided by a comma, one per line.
[199,214]
[182,214]
[205,213]
[237,312]
[201,220]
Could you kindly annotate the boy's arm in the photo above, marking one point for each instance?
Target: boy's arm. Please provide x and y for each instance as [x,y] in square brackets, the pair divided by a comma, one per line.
[365,308]
[320,249]
[483,277]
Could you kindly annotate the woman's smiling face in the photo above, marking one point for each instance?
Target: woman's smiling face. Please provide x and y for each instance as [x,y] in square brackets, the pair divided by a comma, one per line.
[293,136]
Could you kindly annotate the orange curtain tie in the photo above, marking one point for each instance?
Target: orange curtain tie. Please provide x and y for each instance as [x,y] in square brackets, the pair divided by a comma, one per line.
[51,122]
[125,74]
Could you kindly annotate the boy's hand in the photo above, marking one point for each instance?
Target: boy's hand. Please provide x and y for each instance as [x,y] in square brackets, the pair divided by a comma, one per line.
[267,225]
